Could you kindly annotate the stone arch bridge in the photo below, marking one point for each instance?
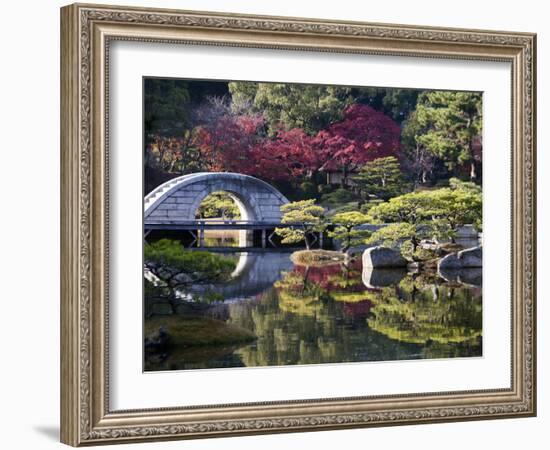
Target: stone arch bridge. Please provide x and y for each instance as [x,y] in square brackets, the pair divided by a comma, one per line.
[179,199]
[173,206]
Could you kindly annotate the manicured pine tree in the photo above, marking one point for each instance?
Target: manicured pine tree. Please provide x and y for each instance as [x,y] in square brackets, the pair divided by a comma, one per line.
[381,178]
[346,231]
[308,217]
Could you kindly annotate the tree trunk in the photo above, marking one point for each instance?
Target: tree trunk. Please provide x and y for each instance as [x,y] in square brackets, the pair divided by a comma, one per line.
[305,279]
[306,240]
[347,246]
[415,243]
[172,164]
[454,228]
[344,177]
[435,293]
[161,156]
[473,171]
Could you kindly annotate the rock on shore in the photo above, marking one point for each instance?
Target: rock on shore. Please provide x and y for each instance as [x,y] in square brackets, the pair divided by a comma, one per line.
[465,259]
[383,258]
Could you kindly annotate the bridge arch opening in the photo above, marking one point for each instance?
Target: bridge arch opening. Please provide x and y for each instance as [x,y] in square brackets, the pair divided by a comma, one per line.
[222,206]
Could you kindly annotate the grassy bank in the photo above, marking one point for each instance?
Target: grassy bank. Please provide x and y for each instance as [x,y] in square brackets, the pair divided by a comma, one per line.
[197,331]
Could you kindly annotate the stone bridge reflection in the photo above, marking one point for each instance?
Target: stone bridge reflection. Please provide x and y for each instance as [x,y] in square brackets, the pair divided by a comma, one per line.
[255,273]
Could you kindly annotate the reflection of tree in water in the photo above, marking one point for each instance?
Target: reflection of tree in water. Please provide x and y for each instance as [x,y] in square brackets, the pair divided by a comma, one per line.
[336,282]
[420,312]
[286,336]
[298,322]
[298,294]
[326,314]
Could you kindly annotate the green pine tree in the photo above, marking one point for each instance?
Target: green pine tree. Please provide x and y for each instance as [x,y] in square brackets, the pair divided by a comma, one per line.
[307,217]
[381,178]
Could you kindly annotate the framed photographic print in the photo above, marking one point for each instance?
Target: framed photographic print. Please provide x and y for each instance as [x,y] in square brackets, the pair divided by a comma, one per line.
[275,224]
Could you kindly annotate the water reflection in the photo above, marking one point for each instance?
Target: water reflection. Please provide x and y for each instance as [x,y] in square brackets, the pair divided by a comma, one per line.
[330,313]
[416,312]
[472,277]
[377,278]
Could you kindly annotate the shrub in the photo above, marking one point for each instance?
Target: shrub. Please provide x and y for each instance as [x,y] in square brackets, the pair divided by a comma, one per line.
[338,197]
[308,190]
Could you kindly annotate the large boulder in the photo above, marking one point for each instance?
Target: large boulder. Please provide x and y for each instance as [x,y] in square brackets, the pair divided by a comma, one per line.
[471,257]
[465,259]
[383,258]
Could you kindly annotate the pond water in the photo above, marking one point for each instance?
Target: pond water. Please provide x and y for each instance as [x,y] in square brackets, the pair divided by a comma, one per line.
[293,314]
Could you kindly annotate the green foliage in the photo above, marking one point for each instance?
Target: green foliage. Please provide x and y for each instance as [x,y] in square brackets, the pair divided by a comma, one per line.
[195,126]
[393,234]
[350,219]
[243,94]
[447,123]
[455,208]
[176,267]
[308,216]
[367,206]
[446,208]
[218,204]
[402,236]
[413,208]
[381,178]
[325,188]
[427,313]
[166,105]
[344,208]
[196,331]
[398,103]
[303,211]
[395,103]
[473,195]
[310,107]
[338,197]
[468,186]
[297,295]
[423,214]
[422,165]
[345,229]
[308,190]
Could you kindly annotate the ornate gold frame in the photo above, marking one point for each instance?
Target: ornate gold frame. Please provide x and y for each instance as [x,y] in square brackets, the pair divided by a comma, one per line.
[86,31]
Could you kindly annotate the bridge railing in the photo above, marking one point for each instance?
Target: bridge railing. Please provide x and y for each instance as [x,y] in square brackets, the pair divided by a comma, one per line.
[206,223]
[236,222]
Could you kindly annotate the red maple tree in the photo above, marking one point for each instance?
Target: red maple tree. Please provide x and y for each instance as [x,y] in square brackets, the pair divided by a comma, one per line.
[363,135]
[227,142]
[237,143]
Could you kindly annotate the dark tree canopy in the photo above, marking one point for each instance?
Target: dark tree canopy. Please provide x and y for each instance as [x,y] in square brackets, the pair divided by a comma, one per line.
[310,140]
[166,105]
[306,106]
[450,127]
